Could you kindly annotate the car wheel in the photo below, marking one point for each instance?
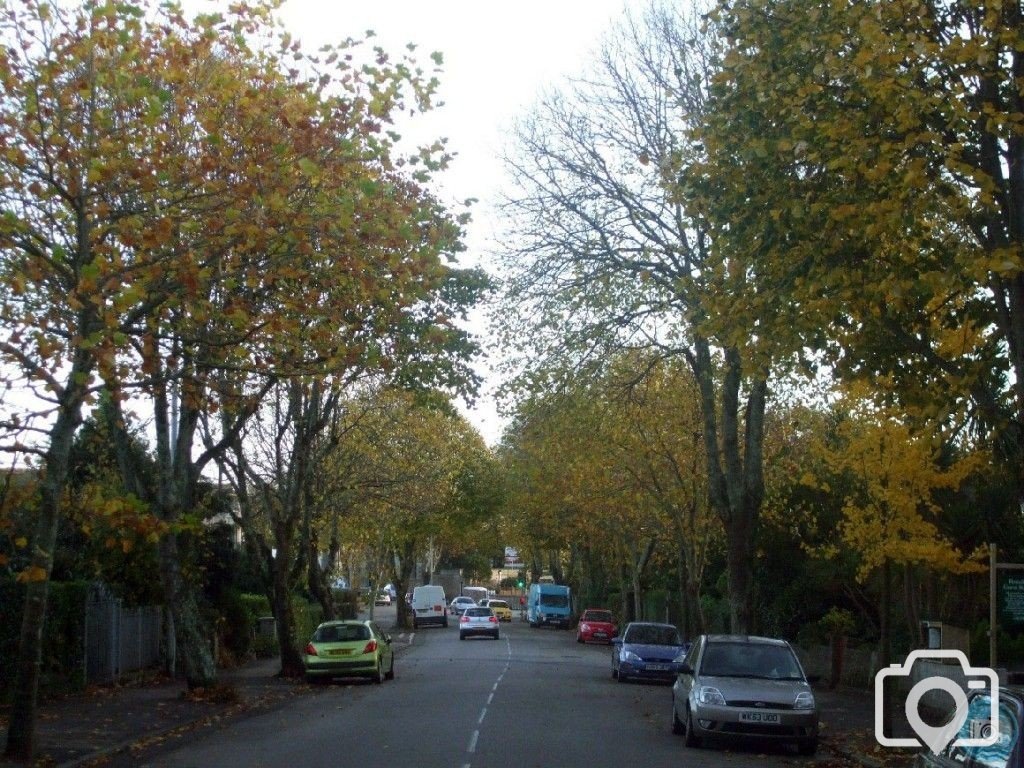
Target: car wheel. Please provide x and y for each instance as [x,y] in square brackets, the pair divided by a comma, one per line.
[495,635]
[692,739]
[391,670]
[378,678]
[677,726]
[312,679]
[445,623]
[622,677]
[807,748]
[579,638]
[415,624]
[461,636]
[615,673]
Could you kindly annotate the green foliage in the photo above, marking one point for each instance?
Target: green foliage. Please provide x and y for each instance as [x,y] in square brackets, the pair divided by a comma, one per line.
[838,621]
[346,601]
[63,660]
[255,607]
[476,568]
[237,625]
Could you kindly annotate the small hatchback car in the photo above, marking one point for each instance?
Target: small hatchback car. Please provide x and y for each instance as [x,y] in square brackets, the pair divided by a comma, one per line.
[596,624]
[647,650]
[349,649]
[736,686]
[478,621]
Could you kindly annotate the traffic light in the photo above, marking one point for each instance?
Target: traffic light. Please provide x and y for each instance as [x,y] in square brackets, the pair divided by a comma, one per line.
[520,583]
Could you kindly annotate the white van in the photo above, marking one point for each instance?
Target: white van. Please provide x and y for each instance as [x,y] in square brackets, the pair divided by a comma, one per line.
[429,605]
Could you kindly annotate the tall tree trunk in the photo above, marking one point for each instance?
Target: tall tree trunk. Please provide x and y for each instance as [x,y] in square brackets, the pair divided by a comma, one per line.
[733,448]
[21,725]
[910,602]
[624,602]
[885,646]
[191,634]
[284,613]
[638,608]
[401,575]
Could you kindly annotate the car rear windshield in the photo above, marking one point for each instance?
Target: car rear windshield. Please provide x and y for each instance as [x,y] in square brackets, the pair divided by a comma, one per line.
[555,601]
[341,633]
[498,604]
[478,611]
[774,662]
[650,635]
[605,616]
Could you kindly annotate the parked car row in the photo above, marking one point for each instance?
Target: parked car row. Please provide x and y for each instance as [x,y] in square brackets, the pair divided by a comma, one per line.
[724,687]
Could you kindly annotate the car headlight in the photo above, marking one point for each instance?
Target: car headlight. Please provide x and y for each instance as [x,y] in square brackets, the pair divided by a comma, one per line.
[631,657]
[708,694]
[584,627]
[804,700]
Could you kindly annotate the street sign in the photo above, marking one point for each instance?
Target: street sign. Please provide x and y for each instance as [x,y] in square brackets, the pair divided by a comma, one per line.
[1011,600]
[512,558]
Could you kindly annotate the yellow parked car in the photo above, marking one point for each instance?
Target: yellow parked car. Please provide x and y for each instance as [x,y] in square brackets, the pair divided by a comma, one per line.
[500,608]
[349,649]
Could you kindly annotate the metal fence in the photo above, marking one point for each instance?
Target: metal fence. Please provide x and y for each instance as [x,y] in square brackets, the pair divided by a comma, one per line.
[118,639]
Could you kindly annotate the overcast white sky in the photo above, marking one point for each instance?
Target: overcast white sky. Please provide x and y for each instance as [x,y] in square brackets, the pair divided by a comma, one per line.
[497,59]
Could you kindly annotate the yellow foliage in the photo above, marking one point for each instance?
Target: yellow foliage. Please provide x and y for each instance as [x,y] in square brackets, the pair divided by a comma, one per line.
[32,574]
[890,514]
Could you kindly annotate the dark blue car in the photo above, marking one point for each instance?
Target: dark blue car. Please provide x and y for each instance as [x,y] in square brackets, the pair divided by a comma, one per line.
[647,650]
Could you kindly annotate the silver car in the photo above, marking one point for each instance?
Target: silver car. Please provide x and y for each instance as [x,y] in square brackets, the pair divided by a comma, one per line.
[737,686]
[478,621]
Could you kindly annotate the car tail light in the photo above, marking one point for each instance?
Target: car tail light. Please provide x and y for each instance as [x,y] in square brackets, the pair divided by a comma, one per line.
[370,647]
[311,650]
[494,619]
[464,619]
[438,607]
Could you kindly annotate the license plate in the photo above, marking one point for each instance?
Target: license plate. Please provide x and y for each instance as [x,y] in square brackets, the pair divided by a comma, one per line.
[600,634]
[658,667]
[340,652]
[759,717]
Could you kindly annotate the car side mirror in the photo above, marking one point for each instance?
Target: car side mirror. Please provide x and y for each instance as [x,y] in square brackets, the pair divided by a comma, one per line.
[812,679]
[616,641]
[685,669]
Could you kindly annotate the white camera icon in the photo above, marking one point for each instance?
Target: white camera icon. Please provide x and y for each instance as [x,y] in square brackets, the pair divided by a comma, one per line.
[937,737]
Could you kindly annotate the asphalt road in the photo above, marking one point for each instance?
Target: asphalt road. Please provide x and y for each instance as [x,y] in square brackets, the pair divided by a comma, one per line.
[533,698]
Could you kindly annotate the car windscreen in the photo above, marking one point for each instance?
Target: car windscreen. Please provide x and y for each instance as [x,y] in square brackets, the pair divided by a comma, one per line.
[605,616]
[652,635]
[772,662]
[555,601]
[341,633]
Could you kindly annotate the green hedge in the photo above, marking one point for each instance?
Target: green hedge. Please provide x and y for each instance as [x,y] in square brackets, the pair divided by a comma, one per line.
[63,656]
[307,616]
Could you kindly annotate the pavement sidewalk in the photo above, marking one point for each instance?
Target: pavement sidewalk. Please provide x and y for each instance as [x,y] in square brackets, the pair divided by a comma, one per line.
[90,727]
[109,724]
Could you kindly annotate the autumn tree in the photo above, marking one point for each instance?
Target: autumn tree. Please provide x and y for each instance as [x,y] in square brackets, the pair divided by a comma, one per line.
[181,200]
[420,477]
[865,160]
[82,169]
[607,256]
[320,255]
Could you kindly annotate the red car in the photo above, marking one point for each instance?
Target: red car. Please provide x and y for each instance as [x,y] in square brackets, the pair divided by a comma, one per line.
[596,624]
